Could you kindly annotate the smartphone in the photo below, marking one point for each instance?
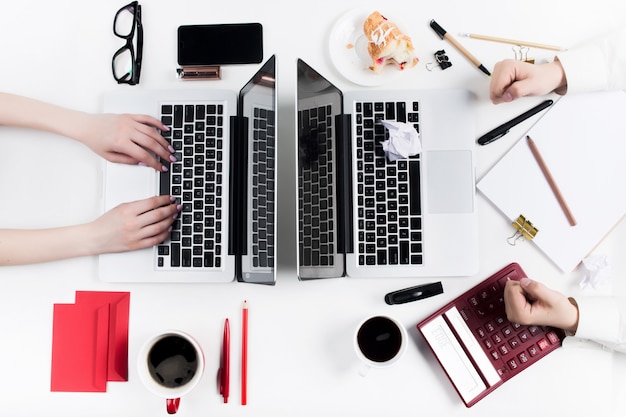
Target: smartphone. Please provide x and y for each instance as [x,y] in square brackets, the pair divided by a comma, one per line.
[220,44]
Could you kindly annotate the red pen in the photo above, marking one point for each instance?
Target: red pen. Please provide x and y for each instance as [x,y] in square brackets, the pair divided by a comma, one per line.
[225,365]
[244,355]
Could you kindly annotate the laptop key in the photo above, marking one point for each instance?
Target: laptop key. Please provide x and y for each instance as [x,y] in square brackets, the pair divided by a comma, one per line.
[178,116]
[393,256]
[404,253]
[175,255]
[415,189]
[401,111]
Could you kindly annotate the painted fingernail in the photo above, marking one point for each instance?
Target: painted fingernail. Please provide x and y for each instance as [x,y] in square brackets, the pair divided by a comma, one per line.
[173,158]
[142,164]
[179,207]
[172,198]
[164,168]
[171,149]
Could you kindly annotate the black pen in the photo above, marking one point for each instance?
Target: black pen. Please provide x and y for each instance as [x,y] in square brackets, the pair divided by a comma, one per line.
[418,292]
[503,129]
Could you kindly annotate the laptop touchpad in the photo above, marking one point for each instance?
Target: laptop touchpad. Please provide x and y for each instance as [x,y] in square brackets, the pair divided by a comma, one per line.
[450,180]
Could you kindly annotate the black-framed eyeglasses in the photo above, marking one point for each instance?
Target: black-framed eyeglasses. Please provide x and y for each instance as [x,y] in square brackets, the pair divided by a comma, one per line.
[126,62]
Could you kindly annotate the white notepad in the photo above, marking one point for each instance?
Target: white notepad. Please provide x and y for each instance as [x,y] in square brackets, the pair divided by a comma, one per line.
[583,142]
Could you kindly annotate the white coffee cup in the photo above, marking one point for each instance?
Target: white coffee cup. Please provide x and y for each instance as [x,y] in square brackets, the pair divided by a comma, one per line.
[379,342]
[170,365]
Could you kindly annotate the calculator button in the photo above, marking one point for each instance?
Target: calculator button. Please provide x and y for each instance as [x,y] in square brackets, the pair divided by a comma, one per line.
[524,336]
[507,331]
[523,357]
[504,350]
[514,343]
[543,344]
[552,337]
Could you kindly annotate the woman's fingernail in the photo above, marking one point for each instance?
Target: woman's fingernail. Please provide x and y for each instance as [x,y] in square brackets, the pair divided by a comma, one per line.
[173,158]
[525,282]
[171,149]
[164,168]
[142,164]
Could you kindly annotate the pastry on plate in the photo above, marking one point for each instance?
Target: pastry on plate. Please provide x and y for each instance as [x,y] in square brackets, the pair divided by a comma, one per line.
[387,44]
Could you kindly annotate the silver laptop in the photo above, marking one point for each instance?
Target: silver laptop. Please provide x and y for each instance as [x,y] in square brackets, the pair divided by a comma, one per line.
[224,178]
[360,215]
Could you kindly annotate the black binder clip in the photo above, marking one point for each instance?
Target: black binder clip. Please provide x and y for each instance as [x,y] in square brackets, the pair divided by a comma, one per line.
[442,60]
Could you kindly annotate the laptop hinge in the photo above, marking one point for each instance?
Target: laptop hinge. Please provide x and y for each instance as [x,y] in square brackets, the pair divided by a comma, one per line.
[238,185]
[344,183]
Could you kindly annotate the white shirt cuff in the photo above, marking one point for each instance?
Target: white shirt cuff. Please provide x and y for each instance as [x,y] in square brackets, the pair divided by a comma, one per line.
[585,69]
[599,319]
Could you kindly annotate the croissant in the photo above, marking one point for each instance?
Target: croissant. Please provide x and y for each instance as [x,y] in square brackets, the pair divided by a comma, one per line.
[387,44]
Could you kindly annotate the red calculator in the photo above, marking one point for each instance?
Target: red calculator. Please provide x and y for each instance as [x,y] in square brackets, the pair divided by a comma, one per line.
[477,346]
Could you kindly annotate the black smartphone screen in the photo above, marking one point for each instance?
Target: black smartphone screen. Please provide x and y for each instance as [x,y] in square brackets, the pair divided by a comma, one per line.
[232,43]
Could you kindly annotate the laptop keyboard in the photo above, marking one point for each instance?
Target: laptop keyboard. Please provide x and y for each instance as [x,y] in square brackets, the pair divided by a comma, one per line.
[196,181]
[263,188]
[389,213]
[317,228]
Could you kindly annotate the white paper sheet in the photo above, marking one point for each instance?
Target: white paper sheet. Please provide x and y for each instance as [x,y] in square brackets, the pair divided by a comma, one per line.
[583,142]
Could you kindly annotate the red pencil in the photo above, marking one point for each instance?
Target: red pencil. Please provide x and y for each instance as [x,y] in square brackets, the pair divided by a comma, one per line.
[244,355]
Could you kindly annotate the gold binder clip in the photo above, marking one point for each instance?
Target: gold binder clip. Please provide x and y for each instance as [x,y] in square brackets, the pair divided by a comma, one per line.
[523,228]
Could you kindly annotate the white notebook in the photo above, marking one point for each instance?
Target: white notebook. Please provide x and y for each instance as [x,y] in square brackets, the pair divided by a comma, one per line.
[582,140]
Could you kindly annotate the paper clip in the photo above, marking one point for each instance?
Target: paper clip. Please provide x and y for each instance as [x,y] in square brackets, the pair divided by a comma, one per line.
[442,60]
[523,228]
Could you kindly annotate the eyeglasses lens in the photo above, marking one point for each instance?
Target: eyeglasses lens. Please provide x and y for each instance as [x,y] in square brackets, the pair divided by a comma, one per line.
[124,22]
[123,64]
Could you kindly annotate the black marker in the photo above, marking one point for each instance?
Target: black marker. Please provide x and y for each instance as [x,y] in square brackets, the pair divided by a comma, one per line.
[414,293]
[503,129]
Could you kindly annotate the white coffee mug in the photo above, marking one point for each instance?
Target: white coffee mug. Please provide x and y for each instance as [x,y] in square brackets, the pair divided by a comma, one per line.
[379,341]
[170,365]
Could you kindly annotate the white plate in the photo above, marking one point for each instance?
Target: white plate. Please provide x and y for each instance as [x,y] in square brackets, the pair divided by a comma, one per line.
[348,50]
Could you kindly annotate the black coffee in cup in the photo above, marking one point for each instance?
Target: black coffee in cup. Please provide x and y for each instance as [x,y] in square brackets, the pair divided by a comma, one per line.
[379,339]
[172,361]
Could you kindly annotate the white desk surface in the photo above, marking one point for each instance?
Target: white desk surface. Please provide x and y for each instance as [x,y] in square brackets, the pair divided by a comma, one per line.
[301,356]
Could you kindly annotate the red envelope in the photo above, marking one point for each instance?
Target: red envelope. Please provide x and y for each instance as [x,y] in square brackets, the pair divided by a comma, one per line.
[80,339]
[119,303]
[90,342]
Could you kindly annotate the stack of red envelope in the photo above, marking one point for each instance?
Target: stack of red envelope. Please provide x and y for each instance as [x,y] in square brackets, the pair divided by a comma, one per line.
[90,342]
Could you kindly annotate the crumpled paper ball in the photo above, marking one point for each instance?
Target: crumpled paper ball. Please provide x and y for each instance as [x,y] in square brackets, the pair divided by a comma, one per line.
[404,141]
[597,272]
